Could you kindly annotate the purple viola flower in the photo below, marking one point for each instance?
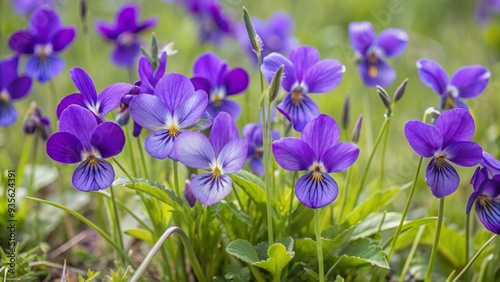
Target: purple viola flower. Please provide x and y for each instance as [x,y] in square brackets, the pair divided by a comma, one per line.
[448,140]
[108,100]
[213,24]
[82,140]
[211,74]
[491,163]
[174,107]
[486,196]
[466,83]
[12,88]
[26,7]
[304,73]
[484,10]
[223,154]
[374,50]
[42,41]
[252,132]
[123,116]
[125,34]
[34,122]
[276,35]
[149,76]
[319,152]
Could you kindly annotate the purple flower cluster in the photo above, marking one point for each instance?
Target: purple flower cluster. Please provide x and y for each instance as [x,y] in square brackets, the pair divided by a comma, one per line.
[448,140]
[304,73]
[373,51]
[222,154]
[252,132]
[466,83]
[212,75]
[486,195]
[82,140]
[174,107]
[124,33]
[12,88]
[42,41]
[319,152]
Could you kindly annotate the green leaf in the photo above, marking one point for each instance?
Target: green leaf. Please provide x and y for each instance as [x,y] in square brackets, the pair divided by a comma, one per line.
[371,225]
[362,252]
[141,234]
[240,274]
[90,224]
[250,186]
[262,247]
[243,250]
[312,273]
[278,259]
[373,204]
[155,190]
[240,215]
[339,279]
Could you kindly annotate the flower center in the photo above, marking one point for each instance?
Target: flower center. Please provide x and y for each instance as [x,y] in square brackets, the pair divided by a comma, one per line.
[317,171]
[217,96]
[440,160]
[297,96]
[126,38]
[217,170]
[173,130]
[43,51]
[372,62]
[4,97]
[92,156]
[257,153]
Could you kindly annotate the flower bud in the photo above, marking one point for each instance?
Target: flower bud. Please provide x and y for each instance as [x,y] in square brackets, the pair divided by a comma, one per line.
[357,130]
[274,88]
[385,99]
[33,121]
[345,112]
[154,51]
[252,35]
[400,91]
[188,193]
[83,14]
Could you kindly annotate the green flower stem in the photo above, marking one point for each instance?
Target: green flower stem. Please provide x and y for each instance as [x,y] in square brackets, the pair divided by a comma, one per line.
[292,195]
[428,276]
[116,224]
[319,246]
[471,261]
[411,253]
[467,244]
[176,180]
[148,206]
[129,147]
[405,211]
[268,174]
[382,158]
[143,159]
[367,116]
[200,276]
[370,158]
[346,190]
[31,186]
[23,160]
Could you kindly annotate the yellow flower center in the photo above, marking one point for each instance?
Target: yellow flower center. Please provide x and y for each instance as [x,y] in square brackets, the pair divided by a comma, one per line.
[4,97]
[317,172]
[217,101]
[173,130]
[440,160]
[297,96]
[216,172]
[372,61]
[92,159]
